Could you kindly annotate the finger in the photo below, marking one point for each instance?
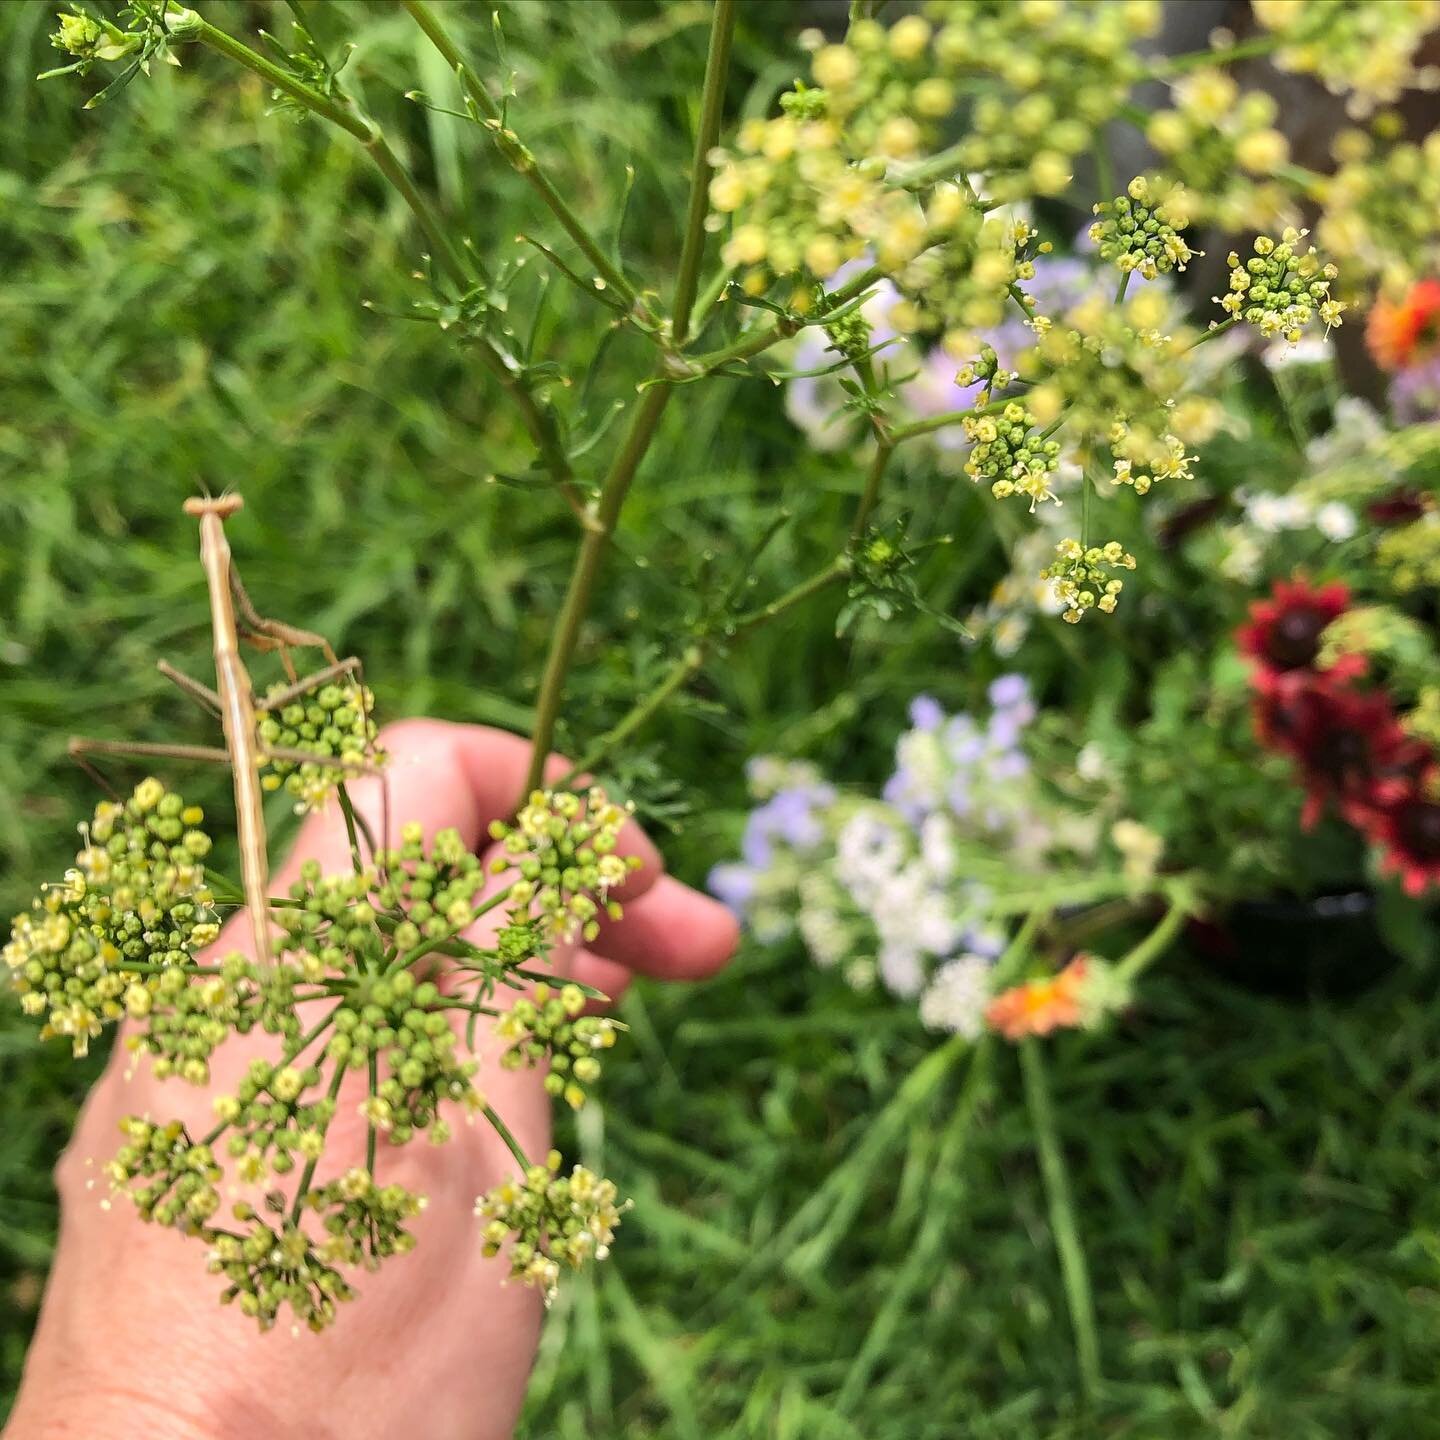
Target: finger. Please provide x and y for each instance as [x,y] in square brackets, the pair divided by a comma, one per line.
[446,776]
[442,776]
[671,932]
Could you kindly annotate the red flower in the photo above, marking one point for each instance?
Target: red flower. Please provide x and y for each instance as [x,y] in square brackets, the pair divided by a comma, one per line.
[1284,631]
[1407,830]
[1348,744]
[1400,332]
[1399,507]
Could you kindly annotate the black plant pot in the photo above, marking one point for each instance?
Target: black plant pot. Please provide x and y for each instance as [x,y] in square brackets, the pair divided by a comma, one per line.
[1290,947]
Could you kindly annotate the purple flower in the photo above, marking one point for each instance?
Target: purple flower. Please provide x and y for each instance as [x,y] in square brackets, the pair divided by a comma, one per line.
[1008,690]
[1415,392]
[925,713]
[963,742]
[755,845]
[1009,766]
[734,886]
[1003,730]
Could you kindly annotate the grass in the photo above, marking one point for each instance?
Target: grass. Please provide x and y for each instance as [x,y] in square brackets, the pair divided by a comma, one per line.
[817,1250]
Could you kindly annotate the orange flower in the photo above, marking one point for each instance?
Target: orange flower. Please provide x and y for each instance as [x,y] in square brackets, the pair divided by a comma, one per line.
[1039,1006]
[1400,332]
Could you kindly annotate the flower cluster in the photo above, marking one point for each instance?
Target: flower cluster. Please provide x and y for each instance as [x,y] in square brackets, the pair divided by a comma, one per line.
[1052,74]
[1222,145]
[1140,230]
[563,847]
[1082,995]
[548,1026]
[135,905]
[1008,453]
[1114,373]
[887,889]
[1382,208]
[1358,49]
[267,1267]
[1085,579]
[1280,291]
[1404,337]
[336,721]
[550,1219]
[1350,745]
[123,935]
[1409,555]
[849,165]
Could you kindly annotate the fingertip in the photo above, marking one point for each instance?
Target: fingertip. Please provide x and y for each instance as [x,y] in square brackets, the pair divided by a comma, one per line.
[671,932]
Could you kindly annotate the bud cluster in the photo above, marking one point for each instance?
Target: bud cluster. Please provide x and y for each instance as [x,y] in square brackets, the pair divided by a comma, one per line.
[1008,453]
[564,850]
[1356,48]
[1280,291]
[1114,373]
[1223,145]
[1382,209]
[337,720]
[549,1026]
[1084,579]
[550,1219]
[1140,230]
[135,903]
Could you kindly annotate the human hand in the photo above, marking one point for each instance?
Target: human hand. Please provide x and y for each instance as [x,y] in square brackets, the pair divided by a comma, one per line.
[132,1340]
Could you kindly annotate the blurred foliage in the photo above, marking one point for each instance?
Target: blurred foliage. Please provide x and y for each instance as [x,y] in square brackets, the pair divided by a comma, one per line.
[807,1257]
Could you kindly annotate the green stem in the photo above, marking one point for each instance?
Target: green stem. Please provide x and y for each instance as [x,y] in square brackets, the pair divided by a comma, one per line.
[639,714]
[870,495]
[503,1131]
[1073,1269]
[691,661]
[537,420]
[147,967]
[520,158]
[308,1173]
[712,102]
[752,342]
[1123,286]
[939,167]
[1199,59]
[347,809]
[822,579]
[1217,329]
[371,1134]
[602,517]
[283,80]
[940,422]
[1157,942]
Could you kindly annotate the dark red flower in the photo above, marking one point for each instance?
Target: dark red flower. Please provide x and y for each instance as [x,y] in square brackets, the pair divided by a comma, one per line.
[1284,632]
[1407,830]
[1399,507]
[1348,744]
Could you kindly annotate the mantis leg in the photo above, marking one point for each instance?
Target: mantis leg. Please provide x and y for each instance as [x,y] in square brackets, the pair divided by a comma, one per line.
[83,746]
[278,699]
[267,634]
[202,695]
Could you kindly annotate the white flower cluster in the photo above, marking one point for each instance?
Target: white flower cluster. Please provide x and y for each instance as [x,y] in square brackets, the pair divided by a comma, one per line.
[889,889]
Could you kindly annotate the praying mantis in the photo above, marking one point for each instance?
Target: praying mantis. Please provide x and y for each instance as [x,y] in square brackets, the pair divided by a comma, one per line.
[233,618]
